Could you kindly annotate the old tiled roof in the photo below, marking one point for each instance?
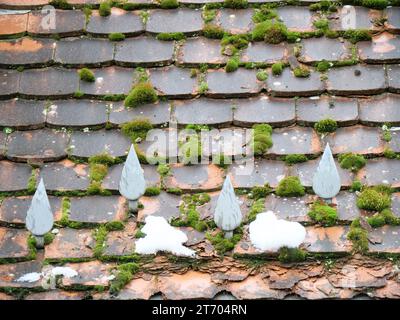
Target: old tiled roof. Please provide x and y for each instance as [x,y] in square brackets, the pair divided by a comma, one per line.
[53,123]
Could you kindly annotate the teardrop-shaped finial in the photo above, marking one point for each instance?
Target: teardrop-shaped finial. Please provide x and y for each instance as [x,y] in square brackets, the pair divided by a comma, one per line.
[326,181]
[132,184]
[40,219]
[227,214]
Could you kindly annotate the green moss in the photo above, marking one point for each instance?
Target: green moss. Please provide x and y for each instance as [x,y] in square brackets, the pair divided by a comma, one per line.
[355,36]
[386,135]
[292,159]
[139,234]
[236,42]
[375,4]
[351,161]
[291,255]
[262,140]
[322,24]
[20,69]
[277,68]
[323,66]
[31,186]
[260,192]
[103,158]
[60,4]
[374,199]
[213,31]
[105,9]
[262,75]
[86,75]
[221,160]
[98,169]
[326,126]
[232,64]
[176,191]
[164,170]
[236,4]
[358,236]
[152,191]
[301,72]
[32,248]
[223,245]
[197,127]
[389,153]
[115,226]
[116,36]
[137,129]
[100,236]
[190,150]
[265,12]
[290,187]
[209,14]
[124,275]
[114,97]
[323,214]
[142,93]
[203,87]
[169,4]
[257,207]
[326,6]
[171,36]
[270,31]
[48,238]
[356,185]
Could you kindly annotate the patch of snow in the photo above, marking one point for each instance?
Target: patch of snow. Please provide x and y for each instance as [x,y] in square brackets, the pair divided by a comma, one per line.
[30,277]
[64,271]
[268,233]
[160,236]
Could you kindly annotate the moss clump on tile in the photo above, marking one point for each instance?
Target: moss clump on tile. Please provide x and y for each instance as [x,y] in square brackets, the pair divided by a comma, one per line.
[86,75]
[208,14]
[100,236]
[323,214]
[301,72]
[386,134]
[292,159]
[98,169]
[260,192]
[171,36]
[189,216]
[257,207]
[60,4]
[164,169]
[323,66]
[236,4]
[65,208]
[291,255]
[375,198]
[265,12]
[290,187]
[351,161]
[136,129]
[48,238]
[326,6]
[322,24]
[169,4]
[190,150]
[203,87]
[124,275]
[355,36]
[326,126]
[231,44]
[221,244]
[139,234]
[152,191]
[356,185]
[261,139]
[213,31]
[115,226]
[31,186]
[142,93]
[270,31]
[277,68]
[358,236]
[221,160]
[176,191]
[386,216]
[389,153]
[105,8]
[197,127]
[262,75]
[232,64]
[116,36]
[375,4]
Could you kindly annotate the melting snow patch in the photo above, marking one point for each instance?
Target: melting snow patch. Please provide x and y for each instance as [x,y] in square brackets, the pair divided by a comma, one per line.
[64,271]
[30,277]
[268,233]
[160,236]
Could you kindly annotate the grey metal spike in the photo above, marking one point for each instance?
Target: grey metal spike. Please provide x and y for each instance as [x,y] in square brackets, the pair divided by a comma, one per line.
[40,219]
[227,215]
[326,180]
[132,184]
